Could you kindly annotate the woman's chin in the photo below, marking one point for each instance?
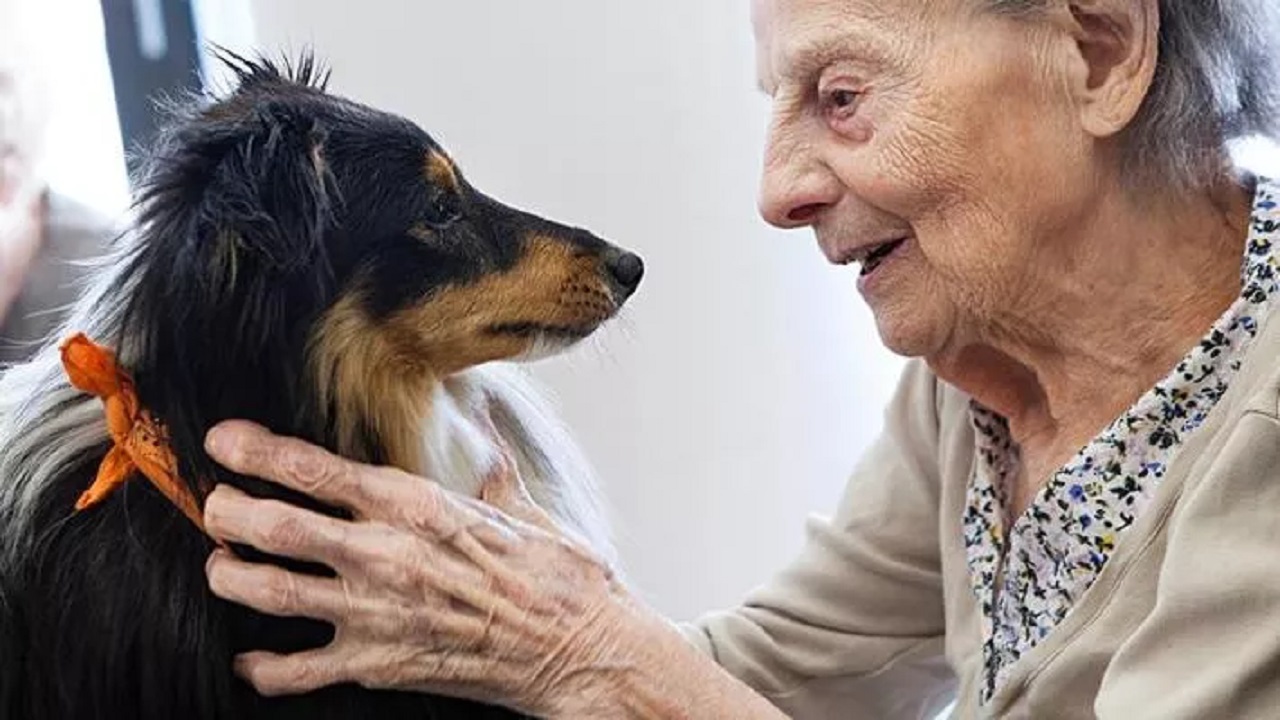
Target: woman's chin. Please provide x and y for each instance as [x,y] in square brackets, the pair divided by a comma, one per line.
[906,344]
[909,333]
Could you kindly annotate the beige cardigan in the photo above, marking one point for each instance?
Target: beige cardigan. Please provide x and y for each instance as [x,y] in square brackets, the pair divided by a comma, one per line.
[877,618]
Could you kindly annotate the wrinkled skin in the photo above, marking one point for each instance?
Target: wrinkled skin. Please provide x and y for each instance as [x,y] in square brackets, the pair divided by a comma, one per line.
[484,599]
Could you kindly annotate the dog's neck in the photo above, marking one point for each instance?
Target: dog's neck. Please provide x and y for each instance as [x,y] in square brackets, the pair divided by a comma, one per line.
[379,404]
[433,428]
[451,443]
[388,406]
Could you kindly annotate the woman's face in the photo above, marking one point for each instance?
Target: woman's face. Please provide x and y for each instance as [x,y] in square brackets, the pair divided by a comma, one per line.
[934,126]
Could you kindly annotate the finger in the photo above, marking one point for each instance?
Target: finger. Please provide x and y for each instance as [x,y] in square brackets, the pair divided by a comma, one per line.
[505,490]
[499,535]
[276,591]
[368,491]
[442,672]
[274,675]
[505,469]
[281,529]
[250,449]
[433,622]
[475,677]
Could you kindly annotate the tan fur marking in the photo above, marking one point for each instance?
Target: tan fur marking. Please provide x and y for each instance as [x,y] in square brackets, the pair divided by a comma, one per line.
[551,285]
[383,372]
[441,171]
[361,378]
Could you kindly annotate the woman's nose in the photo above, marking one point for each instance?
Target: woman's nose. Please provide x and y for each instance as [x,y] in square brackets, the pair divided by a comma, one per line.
[796,187]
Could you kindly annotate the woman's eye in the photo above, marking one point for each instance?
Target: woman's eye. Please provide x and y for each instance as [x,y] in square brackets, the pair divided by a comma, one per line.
[843,98]
[840,104]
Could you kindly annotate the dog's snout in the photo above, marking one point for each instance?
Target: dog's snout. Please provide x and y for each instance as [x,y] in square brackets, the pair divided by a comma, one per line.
[627,269]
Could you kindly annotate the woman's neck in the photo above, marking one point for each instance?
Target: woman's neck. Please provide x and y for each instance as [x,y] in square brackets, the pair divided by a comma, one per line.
[1116,304]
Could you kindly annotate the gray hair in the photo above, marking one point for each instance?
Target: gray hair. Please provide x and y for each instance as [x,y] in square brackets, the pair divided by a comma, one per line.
[1217,81]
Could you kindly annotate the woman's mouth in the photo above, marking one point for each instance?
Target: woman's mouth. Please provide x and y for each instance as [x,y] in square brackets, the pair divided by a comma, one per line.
[878,254]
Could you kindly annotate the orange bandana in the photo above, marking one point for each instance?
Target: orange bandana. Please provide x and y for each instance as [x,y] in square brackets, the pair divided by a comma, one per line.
[140,442]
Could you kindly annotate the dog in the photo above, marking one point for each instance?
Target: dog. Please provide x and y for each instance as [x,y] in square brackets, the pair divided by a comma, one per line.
[323,268]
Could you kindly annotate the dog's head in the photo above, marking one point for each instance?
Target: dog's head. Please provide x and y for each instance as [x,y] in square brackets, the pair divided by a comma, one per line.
[288,230]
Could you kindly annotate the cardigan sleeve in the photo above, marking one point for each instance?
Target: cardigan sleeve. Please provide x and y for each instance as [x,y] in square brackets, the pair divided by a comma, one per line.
[854,626]
[1210,648]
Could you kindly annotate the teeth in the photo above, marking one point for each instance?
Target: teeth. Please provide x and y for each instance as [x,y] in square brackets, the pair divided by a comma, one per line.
[864,254]
[870,253]
[857,257]
[876,254]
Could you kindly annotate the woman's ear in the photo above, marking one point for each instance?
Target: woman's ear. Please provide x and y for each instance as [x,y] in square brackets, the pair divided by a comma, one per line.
[1117,42]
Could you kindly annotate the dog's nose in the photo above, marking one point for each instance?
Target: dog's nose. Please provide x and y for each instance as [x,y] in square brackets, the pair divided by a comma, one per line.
[627,269]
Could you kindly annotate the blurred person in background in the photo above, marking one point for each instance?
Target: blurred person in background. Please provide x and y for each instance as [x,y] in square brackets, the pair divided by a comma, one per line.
[45,236]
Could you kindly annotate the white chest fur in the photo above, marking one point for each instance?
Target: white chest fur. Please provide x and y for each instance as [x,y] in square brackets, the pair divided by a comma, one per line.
[458,451]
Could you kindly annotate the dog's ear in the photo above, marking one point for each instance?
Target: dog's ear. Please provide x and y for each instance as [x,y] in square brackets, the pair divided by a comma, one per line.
[269,199]
[233,217]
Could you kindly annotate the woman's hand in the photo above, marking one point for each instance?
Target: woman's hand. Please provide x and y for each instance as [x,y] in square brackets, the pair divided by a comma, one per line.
[446,594]
[434,592]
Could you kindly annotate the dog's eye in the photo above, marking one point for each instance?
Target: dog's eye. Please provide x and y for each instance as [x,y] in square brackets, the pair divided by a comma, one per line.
[445,207]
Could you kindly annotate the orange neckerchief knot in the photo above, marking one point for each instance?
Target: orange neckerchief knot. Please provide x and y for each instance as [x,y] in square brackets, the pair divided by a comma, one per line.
[139,441]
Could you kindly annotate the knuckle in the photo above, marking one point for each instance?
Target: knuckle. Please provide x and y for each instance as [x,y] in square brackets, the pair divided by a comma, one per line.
[281,683]
[308,469]
[400,575]
[379,678]
[280,593]
[400,566]
[425,513]
[285,531]
[301,675]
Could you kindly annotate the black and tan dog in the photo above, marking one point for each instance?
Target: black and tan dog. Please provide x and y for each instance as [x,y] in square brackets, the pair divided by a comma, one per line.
[321,268]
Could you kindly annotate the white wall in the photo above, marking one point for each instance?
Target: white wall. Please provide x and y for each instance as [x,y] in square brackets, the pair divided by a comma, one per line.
[743,382]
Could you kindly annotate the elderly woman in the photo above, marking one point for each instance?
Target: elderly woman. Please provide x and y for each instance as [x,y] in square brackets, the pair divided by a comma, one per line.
[1074,509]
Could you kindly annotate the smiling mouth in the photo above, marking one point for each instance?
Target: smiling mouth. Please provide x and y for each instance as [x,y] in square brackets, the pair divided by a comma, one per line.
[879,254]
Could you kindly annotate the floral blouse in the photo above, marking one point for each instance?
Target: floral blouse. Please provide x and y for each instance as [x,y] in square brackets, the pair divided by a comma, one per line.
[1027,575]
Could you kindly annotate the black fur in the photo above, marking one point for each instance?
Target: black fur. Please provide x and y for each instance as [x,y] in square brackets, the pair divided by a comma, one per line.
[257,212]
